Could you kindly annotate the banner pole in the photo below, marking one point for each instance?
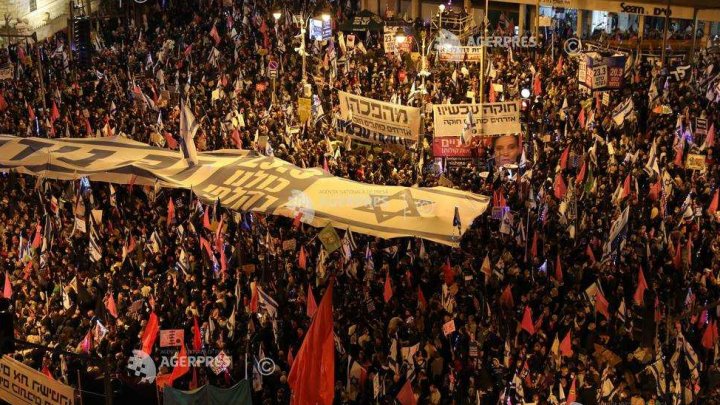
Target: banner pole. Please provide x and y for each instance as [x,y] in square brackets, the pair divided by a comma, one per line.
[80,390]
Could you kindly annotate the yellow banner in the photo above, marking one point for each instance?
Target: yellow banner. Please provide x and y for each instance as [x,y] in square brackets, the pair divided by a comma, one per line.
[246,181]
[20,384]
[304,109]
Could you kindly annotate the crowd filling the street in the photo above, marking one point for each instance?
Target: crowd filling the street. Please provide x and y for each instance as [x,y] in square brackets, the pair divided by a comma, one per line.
[589,276]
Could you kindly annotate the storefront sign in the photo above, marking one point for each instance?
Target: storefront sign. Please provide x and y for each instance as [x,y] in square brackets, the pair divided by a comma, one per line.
[645,10]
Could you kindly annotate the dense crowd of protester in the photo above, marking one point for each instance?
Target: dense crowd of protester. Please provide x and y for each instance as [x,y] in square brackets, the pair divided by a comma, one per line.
[549,304]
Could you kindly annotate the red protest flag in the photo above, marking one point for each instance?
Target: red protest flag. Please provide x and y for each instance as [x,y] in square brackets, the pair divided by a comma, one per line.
[87,342]
[677,258]
[197,335]
[111,307]
[654,192]
[406,395]
[572,395]
[171,142]
[206,245]
[558,269]
[710,336]
[421,298]
[311,304]
[3,103]
[54,113]
[559,187]
[31,113]
[206,219]
[302,258]
[150,333]
[527,322]
[214,34]
[581,174]
[7,290]
[537,85]
[253,298]
[626,188]
[679,150]
[37,240]
[506,299]
[448,273]
[387,290]
[236,138]
[581,118]
[710,138]
[712,209]
[88,129]
[297,220]
[566,346]
[171,211]
[564,158]
[312,376]
[182,366]
[601,305]
[589,253]
[492,96]
[639,295]
[559,66]
[46,371]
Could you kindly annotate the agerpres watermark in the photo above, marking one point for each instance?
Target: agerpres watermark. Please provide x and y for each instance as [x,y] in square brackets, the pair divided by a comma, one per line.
[504,41]
[142,365]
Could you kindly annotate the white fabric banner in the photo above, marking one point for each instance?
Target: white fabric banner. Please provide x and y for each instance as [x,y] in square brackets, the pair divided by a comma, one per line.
[378,116]
[491,119]
[246,181]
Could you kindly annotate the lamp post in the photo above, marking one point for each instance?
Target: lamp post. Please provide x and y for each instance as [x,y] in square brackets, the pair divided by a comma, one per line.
[276,15]
[400,38]
[441,7]
[303,53]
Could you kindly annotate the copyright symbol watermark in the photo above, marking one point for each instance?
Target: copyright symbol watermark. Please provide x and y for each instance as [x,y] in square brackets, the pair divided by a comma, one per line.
[266,366]
[572,46]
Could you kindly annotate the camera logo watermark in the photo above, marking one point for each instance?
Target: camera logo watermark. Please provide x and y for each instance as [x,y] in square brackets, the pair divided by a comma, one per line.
[265,366]
[572,46]
[142,365]
[300,205]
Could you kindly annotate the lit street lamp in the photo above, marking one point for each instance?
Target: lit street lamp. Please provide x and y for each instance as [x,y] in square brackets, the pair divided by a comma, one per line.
[441,7]
[401,38]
